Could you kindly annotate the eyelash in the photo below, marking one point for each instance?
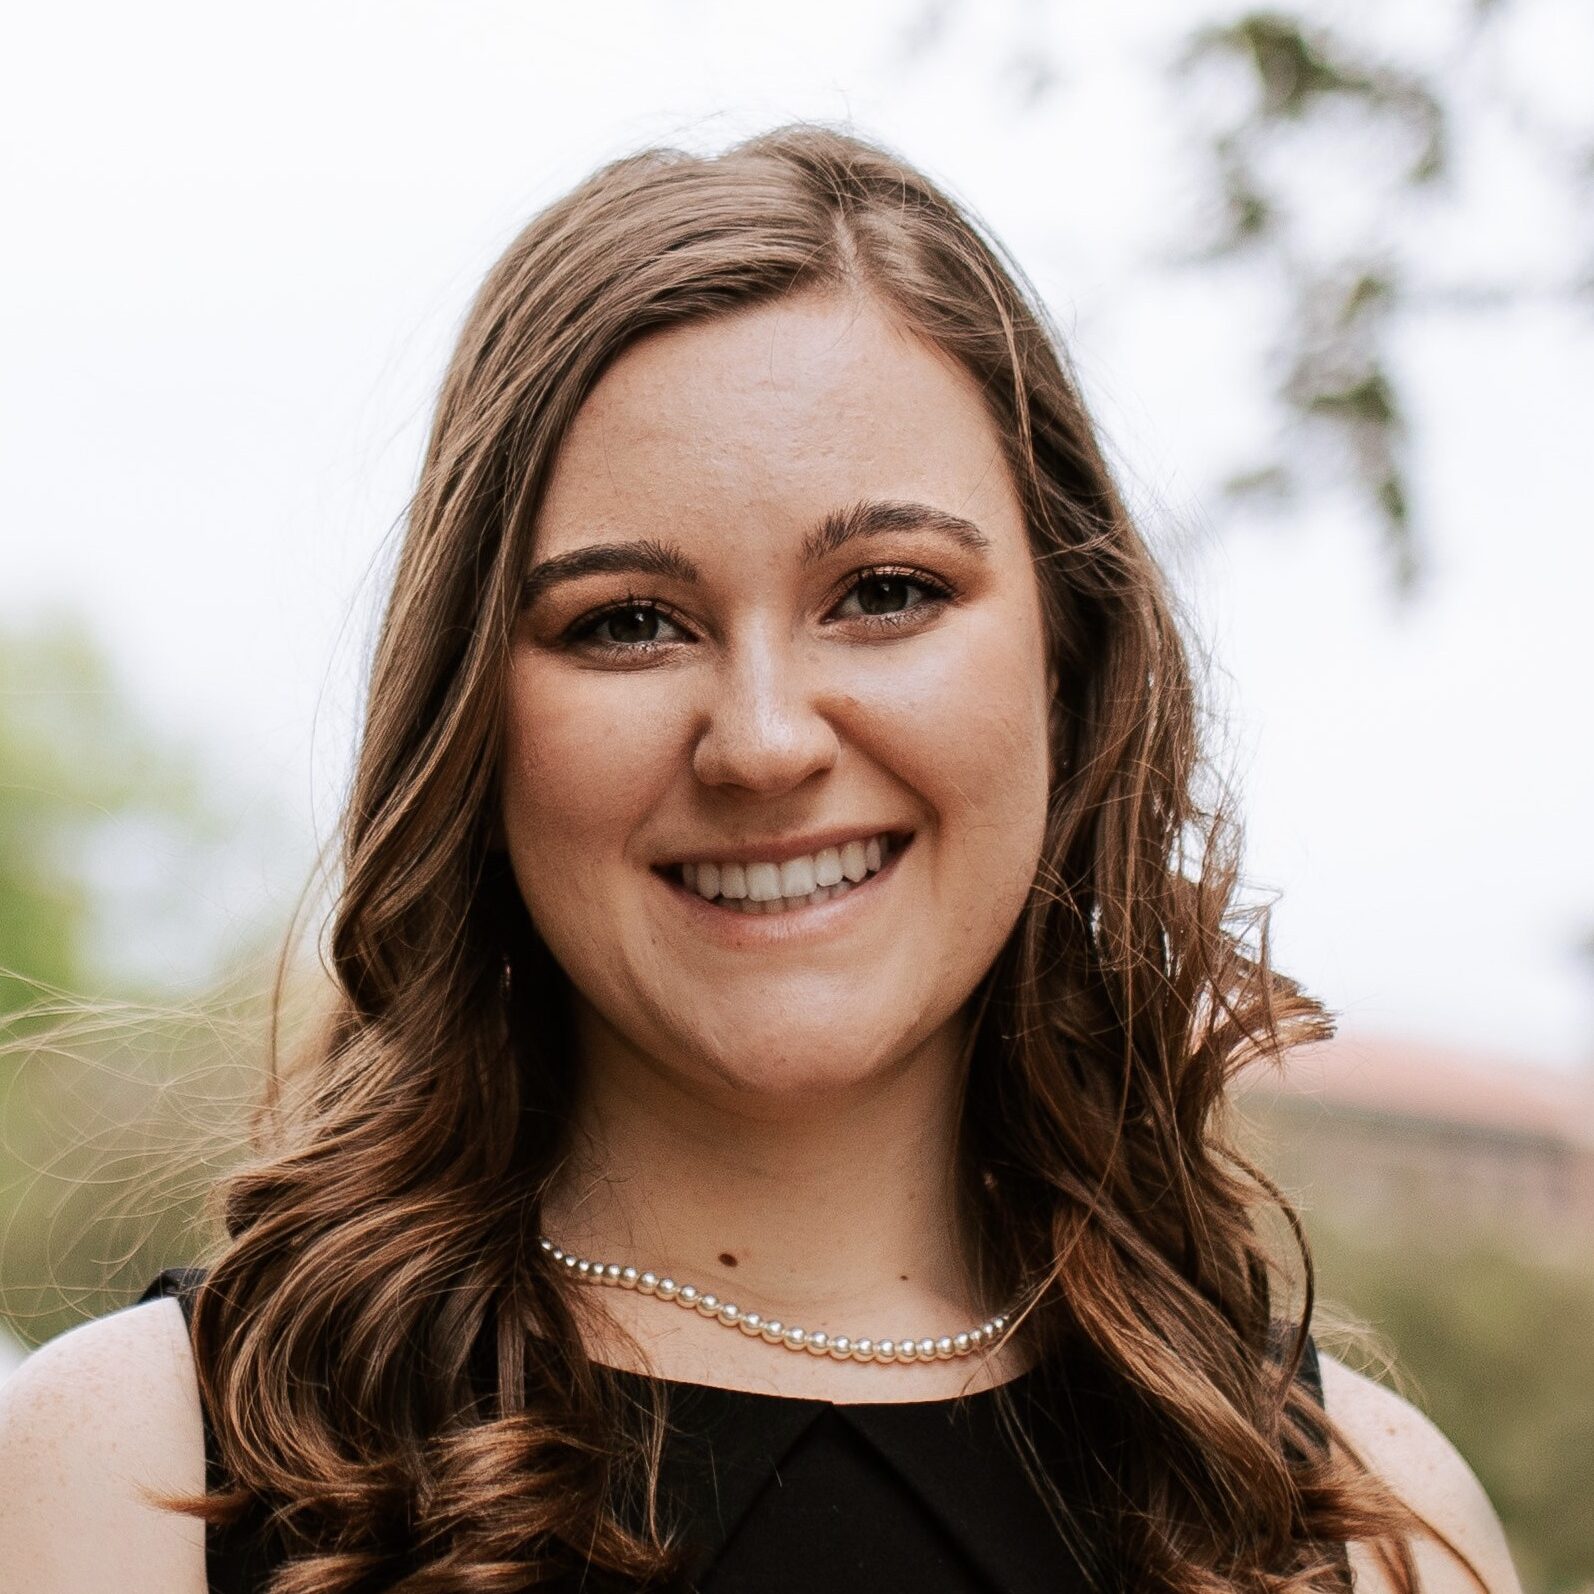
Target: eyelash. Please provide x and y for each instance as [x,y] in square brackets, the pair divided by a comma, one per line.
[580,634]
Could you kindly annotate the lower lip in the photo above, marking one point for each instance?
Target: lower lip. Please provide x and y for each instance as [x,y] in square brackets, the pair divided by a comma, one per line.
[809,922]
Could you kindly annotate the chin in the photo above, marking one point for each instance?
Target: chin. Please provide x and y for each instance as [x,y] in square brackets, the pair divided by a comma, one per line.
[792,1068]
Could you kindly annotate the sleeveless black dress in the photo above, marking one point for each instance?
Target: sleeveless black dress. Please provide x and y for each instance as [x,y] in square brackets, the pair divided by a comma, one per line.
[791,1495]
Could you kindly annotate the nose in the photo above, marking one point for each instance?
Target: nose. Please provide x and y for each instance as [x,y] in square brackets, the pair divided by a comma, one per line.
[763,728]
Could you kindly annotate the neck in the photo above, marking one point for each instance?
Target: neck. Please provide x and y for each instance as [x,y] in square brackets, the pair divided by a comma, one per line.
[844,1204]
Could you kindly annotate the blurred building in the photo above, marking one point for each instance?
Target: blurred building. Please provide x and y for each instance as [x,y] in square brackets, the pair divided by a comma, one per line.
[1392,1135]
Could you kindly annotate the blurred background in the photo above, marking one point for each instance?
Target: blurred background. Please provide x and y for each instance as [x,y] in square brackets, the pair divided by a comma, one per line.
[1327,276]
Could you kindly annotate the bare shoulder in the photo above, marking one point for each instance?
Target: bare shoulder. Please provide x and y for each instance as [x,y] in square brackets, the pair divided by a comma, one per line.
[1426,1470]
[87,1422]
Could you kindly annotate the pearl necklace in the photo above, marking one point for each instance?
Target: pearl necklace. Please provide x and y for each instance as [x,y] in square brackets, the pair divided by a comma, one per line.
[816,1341]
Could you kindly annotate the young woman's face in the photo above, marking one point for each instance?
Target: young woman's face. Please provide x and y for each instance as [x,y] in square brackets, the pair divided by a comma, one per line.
[783,630]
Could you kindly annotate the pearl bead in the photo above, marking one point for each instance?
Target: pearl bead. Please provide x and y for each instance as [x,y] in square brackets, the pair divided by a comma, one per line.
[818,1342]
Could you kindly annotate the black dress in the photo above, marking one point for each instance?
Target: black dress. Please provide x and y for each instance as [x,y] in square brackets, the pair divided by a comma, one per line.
[791,1495]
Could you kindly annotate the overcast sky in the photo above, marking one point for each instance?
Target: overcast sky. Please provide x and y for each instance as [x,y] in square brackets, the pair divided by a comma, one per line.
[242,238]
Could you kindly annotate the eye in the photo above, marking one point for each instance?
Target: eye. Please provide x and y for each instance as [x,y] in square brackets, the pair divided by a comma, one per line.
[884,596]
[631,627]
[639,627]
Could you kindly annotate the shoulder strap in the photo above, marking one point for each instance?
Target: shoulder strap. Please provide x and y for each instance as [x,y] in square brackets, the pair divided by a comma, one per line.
[182,1282]
[1309,1376]
[178,1281]
[1311,1370]
[239,1559]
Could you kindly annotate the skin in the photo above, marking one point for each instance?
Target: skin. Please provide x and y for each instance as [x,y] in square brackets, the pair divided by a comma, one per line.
[786,1109]
[789,1105]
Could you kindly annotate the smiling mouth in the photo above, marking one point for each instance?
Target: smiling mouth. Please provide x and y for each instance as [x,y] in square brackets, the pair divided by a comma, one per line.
[769,888]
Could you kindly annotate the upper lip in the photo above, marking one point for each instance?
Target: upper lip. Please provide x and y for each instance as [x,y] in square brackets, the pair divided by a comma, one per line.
[781,848]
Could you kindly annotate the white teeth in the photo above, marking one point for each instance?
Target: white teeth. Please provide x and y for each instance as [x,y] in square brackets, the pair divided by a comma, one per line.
[797,877]
[820,894]
[763,882]
[827,867]
[777,888]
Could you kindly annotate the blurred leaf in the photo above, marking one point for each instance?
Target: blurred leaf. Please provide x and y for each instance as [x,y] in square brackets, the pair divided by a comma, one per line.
[1261,202]
[112,1116]
[1297,68]
[1496,1345]
[114,1123]
[74,759]
[1266,482]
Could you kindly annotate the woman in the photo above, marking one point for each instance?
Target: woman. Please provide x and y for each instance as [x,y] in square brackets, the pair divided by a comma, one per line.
[770,1128]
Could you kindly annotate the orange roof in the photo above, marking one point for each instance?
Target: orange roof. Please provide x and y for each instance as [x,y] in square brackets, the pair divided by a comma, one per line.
[1444,1084]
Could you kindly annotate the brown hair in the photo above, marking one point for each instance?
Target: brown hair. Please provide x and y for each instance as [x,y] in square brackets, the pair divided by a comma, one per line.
[391,1367]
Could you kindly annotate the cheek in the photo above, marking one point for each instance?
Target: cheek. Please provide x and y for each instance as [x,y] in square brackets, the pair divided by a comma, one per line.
[981,728]
[980,758]
[582,763]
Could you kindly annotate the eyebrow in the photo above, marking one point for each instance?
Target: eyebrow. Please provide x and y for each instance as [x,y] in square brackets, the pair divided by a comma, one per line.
[647,556]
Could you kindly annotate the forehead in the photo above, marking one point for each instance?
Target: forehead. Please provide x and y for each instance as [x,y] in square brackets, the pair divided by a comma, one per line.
[771,417]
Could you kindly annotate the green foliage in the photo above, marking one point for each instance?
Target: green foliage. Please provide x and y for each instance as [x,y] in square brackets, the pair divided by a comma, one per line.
[1317,116]
[113,1116]
[113,1129]
[1496,1345]
[1298,68]
[74,759]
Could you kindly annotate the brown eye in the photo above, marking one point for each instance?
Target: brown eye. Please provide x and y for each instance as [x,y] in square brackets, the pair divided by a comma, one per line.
[888,594]
[631,625]
[883,594]
[626,628]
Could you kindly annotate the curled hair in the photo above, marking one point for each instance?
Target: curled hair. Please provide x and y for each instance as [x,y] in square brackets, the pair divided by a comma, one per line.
[394,1376]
